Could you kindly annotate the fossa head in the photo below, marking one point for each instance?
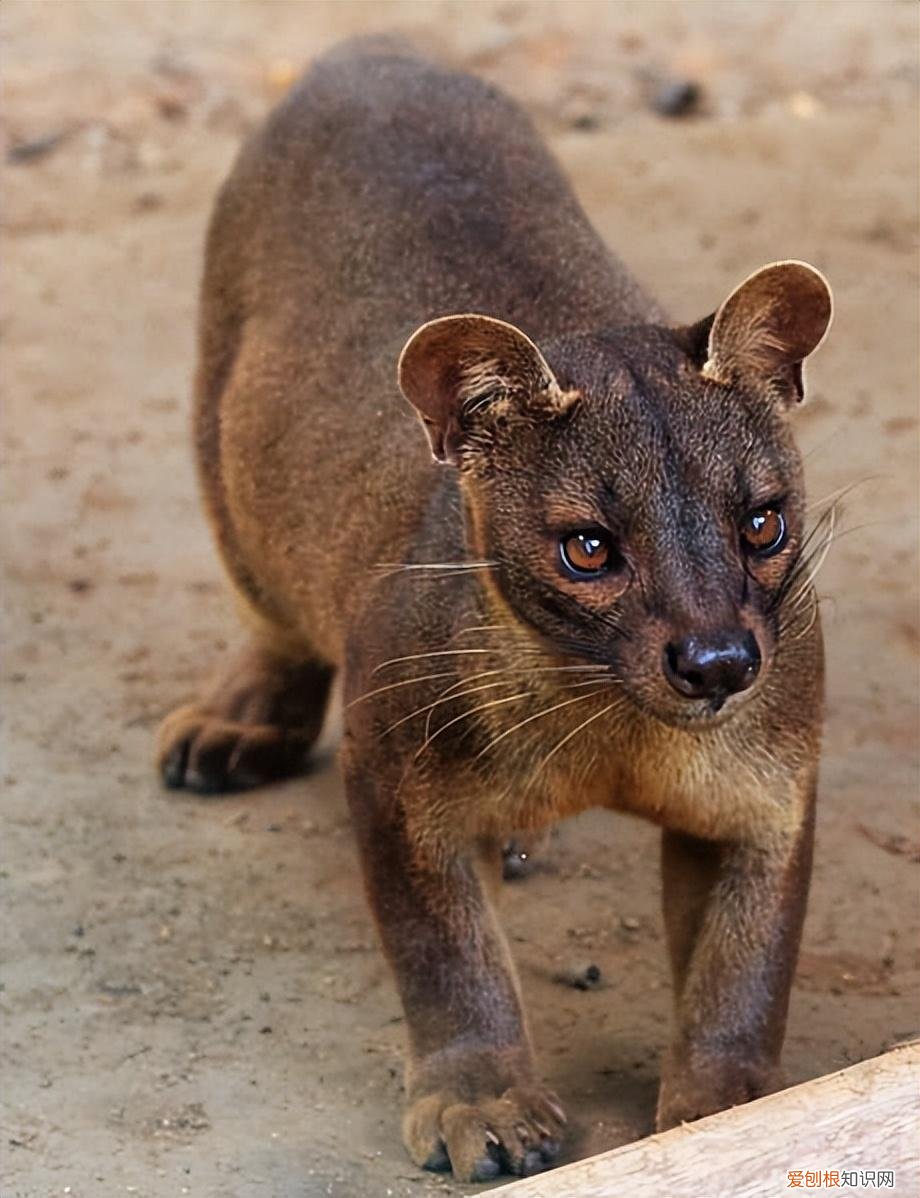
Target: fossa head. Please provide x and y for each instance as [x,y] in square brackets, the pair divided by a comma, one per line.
[639,488]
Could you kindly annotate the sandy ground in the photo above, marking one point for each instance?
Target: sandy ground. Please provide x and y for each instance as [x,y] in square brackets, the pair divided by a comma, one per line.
[192,997]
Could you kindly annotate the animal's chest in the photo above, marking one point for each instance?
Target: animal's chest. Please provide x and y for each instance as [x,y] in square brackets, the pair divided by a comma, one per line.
[701,785]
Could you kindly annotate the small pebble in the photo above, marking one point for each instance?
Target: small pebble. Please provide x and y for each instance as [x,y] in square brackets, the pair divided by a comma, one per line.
[677,98]
[147,201]
[579,979]
[32,151]
[586,122]
[517,863]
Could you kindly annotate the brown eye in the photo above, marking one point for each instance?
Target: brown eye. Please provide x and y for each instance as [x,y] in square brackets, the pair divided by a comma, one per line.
[587,553]
[763,532]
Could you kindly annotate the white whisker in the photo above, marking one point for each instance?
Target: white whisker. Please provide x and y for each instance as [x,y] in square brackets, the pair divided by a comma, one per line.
[466,715]
[834,497]
[538,715]
[429,707]
[821,555]
[405,682]
[437,653]
[565,740]
[396,567]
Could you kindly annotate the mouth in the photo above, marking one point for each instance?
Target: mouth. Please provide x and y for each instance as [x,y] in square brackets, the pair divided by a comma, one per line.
[694,715]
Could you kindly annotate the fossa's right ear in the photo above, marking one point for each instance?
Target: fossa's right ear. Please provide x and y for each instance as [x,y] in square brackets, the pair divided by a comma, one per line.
[460,372]
[766,328]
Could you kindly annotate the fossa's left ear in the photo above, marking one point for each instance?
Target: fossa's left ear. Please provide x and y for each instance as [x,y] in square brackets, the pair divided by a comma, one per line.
[766,328]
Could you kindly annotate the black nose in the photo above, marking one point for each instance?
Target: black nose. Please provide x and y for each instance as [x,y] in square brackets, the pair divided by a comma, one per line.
[712,665]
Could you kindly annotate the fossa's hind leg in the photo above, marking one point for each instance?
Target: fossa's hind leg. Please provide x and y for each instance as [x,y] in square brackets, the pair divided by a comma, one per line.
[255,724]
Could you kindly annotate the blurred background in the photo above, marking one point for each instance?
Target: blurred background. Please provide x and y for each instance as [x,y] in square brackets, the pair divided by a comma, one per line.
[193,998]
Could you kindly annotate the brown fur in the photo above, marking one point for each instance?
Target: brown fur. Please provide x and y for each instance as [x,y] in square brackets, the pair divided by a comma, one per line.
[487,690]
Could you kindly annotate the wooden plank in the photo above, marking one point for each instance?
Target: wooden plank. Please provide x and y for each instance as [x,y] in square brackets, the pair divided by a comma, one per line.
[865,1118]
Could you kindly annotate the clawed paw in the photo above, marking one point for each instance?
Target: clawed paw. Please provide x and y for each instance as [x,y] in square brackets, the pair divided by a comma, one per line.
[518,1132]
[201,752]
[688,1093]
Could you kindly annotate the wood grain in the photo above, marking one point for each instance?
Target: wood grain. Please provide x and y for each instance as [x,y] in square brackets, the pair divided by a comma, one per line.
[862,1118]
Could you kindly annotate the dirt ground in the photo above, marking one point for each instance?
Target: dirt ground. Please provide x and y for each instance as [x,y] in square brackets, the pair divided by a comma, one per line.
[193,1001]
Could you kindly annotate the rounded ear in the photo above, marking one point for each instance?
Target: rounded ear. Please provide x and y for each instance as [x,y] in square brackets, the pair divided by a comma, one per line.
[460,370]
[770,324]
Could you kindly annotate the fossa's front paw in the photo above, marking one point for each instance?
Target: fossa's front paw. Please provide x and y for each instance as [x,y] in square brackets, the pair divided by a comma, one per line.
[200,751]
[517,1132]
[690,1092]
[255,725]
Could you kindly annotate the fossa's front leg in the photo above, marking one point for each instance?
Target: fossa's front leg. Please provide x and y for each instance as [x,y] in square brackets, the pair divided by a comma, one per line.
[474,1102]
[734,917]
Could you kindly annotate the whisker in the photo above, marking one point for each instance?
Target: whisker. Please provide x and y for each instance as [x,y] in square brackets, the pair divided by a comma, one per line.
[432,577]
[834,497]
[524,669]
[597,677]
[806,555]
[821,446]
[811,623]
[565,740]
[429,707]
[466,715]
[571,686]
[447,693]
[538,715]
[437,653]
[820,555]
[824,548]
[398,567]
[474,677]
[558,669]
[827,517]
[393,685]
